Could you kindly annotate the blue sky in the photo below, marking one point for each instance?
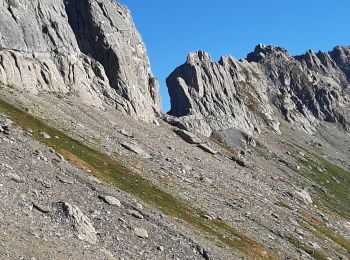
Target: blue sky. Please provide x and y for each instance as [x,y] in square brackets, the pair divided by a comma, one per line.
[172,29]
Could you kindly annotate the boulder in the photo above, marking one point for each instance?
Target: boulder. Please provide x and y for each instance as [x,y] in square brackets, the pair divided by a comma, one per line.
[110,200]
[141,232]
[188,137]
[304,196]
[82,225]
[136,149]
[207,149]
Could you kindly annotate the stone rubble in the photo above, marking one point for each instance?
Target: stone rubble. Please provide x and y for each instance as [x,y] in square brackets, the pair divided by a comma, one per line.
[249,198]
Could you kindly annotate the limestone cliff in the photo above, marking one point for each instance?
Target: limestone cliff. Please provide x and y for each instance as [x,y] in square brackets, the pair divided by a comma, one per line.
[87,47]
[257,92]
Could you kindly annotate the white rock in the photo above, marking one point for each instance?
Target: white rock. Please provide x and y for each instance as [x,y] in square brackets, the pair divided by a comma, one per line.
[94,179]
[136,149]
[305,196]
[112,201]
[207,149]
[141,232]
[45,135]
[155,121]
[206,180]
[14,177]
[82,224]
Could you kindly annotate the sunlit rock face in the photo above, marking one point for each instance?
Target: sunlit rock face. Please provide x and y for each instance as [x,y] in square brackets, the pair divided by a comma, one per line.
[90,48]
[256,93]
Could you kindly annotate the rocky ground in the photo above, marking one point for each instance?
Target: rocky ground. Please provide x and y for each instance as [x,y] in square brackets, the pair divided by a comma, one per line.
[264,190]
[114,178]
[52,210]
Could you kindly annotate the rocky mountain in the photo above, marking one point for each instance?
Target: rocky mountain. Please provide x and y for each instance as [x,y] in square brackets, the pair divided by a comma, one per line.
[255,93]
[82,177]
[90,48]
[77,182]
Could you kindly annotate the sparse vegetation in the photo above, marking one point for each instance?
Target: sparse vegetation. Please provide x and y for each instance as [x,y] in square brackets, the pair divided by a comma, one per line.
[250,72]
[283,205]
[246,72]
[253,102]
[316,254]
[255,75]
[8,86]
[320,229]
[227,148]
[249,95]
[262,152]
[59,95]
[333,182]
[110,170]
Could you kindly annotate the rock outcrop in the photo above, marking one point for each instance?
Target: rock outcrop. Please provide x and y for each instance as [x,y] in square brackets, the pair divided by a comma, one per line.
[81,223]
[257,92]
[87,47]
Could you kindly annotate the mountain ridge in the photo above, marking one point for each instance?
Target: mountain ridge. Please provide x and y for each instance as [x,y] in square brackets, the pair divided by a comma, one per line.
[305,90]
[261,173]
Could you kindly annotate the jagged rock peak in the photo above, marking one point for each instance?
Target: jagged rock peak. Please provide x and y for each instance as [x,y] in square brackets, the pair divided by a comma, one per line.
[262,51]
[198,56]
[256,92]
[87,47]
[341,55]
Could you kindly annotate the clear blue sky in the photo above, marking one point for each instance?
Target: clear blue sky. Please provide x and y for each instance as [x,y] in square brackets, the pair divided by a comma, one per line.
[171,29]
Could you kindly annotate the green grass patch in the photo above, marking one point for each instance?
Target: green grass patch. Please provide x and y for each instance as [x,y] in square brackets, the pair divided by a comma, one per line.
[333,181]
[315,253]
[110,170]
[321,230]
[333,190]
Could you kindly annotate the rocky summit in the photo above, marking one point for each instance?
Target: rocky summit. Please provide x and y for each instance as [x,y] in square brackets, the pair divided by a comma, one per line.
[256,93]
[252,161]
[88,48]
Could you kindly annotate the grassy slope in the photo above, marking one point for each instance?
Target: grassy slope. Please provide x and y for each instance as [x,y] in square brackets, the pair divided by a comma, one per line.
[333,190]
[111,171]
[331,194]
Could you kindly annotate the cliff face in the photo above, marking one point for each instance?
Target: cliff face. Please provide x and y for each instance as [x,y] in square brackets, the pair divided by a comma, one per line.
[87,47]
[255,93]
